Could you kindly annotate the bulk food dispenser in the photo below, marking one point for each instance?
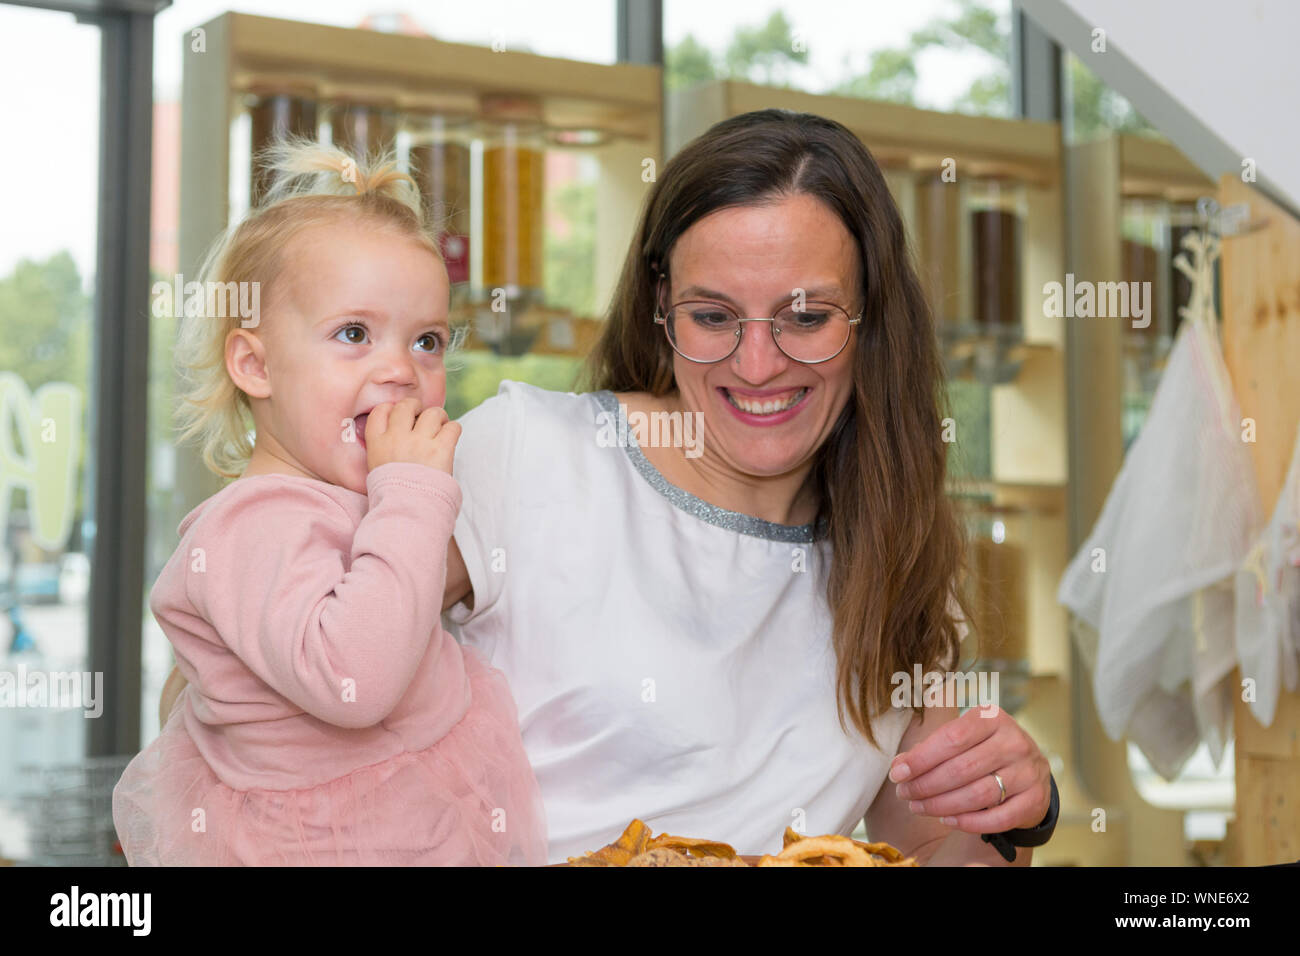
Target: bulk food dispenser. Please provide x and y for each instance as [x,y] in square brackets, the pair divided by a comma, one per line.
[999,535]
[361,120]
[439,148]
[276,109]
[996,215]
[514,181]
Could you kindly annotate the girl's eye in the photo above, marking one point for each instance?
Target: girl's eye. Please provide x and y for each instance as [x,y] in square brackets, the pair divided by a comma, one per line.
[356,335]
[428,342]
[353,334]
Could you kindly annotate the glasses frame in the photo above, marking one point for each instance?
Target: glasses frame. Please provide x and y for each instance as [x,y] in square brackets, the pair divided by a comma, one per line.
[740,333]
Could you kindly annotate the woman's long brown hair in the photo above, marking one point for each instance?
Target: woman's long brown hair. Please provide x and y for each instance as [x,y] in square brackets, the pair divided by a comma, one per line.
[897,545]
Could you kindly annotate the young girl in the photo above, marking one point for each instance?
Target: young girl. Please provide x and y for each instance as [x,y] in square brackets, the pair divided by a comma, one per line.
[329,720]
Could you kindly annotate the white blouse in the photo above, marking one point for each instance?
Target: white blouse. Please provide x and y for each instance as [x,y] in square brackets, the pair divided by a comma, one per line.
[671,660]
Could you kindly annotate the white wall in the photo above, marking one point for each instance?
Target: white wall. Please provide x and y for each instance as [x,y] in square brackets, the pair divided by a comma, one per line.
[1220,78]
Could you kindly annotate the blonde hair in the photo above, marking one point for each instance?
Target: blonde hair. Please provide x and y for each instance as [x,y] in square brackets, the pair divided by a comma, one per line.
[313,184]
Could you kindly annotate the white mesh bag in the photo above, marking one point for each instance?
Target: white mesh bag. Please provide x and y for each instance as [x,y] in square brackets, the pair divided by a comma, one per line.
[1268,601]
[1179,519]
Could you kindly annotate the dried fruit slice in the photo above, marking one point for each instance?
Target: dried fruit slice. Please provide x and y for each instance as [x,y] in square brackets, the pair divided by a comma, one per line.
[694,847]
[634,841]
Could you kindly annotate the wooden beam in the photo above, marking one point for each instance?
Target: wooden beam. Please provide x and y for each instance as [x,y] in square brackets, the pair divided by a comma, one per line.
[1261,345]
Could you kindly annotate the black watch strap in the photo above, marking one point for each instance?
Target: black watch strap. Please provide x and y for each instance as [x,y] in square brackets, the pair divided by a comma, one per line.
[1006,842]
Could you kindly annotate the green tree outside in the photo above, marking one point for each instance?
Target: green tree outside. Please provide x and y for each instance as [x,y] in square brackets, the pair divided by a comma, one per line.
[765,54]
[45,313]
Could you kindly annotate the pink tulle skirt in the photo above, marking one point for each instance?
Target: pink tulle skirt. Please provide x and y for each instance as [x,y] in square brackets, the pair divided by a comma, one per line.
[469,800]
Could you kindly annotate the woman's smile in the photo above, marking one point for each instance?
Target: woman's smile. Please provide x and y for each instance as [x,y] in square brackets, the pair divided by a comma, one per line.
[764,406]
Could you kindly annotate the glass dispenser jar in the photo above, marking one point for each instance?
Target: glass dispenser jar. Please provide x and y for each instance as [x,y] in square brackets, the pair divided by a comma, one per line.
[942,261]
[513,195]
[1144,258]
[938,212]
[439,160]
[364,123]
[1142,301]
[997,213]
[999,592]
[276,110]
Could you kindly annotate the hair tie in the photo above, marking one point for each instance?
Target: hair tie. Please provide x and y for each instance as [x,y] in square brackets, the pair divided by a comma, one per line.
[343,174]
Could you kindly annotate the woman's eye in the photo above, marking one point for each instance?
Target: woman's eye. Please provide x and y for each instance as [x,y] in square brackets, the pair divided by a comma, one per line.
[804,319]
[352,334]
[711,319]
[428,342]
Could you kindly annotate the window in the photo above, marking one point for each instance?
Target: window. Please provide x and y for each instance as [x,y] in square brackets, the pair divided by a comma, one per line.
[48,455]
[951,55]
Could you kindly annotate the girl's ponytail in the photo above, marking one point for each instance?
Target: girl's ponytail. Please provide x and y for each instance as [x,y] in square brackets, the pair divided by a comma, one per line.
[302,167]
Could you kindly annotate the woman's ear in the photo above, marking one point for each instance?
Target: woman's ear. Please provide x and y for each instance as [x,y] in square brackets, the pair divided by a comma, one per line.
[246,363]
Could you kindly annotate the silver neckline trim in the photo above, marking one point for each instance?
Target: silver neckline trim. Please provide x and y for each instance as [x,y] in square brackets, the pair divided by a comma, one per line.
[685,501]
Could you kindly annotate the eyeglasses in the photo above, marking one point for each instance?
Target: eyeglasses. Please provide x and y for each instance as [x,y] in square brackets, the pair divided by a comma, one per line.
[709,332]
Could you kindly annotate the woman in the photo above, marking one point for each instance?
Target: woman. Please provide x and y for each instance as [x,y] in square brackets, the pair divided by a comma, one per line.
[687,625]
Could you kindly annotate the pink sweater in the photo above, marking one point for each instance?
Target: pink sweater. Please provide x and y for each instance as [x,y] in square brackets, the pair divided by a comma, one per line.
[306,618]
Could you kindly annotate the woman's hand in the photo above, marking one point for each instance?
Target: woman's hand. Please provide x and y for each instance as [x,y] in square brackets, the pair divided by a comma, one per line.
[949,774]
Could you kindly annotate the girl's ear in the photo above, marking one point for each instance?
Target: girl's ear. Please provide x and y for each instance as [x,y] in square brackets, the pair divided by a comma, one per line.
[246,363]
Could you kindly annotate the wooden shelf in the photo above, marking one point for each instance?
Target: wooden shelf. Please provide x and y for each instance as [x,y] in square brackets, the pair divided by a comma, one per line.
[1036,498]
[897,135]
[623,98]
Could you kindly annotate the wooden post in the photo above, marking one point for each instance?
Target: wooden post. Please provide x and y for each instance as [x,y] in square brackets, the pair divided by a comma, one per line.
[1146,835]
[1261,345]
